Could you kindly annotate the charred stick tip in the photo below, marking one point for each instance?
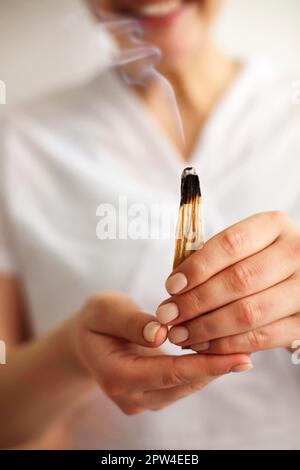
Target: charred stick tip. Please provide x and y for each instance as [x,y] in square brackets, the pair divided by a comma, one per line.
[190,186]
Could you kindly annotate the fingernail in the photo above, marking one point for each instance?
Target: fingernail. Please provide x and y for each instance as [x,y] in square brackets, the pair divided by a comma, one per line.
[242,368]
[167,313]
[176,283]
[178,334]
[201,346]
[151,330]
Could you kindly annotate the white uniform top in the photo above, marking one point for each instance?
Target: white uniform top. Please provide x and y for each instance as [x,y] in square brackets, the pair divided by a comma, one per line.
[67,154]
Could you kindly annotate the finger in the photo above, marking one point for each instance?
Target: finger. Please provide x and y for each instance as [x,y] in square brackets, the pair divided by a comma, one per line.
[158,399]
[254,274]
[280,334]
[162,372]
[116,315]
[244,315]
[227,248]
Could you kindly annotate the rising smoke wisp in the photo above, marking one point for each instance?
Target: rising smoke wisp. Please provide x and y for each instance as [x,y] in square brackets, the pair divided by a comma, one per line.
[145,58]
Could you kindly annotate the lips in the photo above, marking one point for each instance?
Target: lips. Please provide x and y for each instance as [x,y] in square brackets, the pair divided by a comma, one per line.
[135,3]
[149,8]
[154,14]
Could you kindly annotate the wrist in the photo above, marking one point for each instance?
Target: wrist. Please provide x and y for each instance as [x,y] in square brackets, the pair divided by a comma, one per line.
[68,338]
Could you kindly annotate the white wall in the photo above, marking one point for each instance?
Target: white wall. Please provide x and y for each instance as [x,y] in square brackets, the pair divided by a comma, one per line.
[262,27]
[45,44]
[49,43]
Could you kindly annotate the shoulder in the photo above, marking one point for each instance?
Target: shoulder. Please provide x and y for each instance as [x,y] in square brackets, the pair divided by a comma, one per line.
[273,97]
[262,110]
[61,121]
[58,109]
[65,110]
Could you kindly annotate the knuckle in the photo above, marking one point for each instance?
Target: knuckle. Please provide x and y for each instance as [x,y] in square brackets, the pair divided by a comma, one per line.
[115,384]
[256,339]
[282,219]
[130,404]
[205,328]
[167,379]
[216,371]
[224,346]
[91,309]
[93,301]
[199,266]
[179,377]
[232,242]
[249,313]
[279,216]
[131,410]
[114,388]
[173,376]
[96,303]
[241,277]
[189,302]
[171,379]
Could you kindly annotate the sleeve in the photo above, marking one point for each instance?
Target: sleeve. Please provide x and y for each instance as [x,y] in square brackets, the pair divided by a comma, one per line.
[8,264]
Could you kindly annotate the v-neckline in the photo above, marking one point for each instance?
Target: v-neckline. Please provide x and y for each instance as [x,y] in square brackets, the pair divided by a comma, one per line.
[208,131]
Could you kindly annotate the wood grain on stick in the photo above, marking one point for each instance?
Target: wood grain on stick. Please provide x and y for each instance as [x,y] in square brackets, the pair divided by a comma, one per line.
[190,228]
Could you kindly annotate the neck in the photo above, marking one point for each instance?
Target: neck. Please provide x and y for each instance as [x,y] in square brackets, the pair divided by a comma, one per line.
[199,80]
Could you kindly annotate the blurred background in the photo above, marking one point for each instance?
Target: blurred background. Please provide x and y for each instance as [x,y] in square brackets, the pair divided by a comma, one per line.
[51,44]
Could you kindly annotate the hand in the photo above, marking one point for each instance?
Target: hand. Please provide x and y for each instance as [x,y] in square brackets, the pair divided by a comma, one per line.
[117,344]
[241,292]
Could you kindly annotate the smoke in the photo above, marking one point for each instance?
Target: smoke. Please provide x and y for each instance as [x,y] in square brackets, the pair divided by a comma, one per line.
[137,60]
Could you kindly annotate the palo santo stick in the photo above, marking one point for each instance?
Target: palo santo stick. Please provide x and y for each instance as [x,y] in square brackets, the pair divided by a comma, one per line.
[190,229]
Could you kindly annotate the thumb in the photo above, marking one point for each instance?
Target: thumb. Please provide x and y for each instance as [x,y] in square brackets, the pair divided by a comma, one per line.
[116,315]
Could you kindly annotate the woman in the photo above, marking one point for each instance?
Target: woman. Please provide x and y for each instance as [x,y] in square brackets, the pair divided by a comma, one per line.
[75,373]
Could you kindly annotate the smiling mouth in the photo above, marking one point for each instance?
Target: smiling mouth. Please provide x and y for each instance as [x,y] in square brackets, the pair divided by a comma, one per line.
[152,9]
[160,9]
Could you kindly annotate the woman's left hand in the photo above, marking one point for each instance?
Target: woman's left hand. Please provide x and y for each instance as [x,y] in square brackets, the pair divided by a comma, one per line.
[240,292]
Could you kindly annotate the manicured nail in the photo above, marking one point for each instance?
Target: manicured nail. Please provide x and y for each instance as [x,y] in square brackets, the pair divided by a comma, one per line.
[176,283]
[167,313]
[151,330]
[178,334]
[201,346]
[242,368]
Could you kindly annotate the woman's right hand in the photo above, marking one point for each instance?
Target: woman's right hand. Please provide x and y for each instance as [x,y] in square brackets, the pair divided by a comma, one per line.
[117,344]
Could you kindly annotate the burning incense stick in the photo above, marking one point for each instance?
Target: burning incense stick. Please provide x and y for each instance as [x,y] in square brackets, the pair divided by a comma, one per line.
[190,231]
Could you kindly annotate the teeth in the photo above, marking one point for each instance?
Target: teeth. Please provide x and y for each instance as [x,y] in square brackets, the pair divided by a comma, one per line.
[160,9]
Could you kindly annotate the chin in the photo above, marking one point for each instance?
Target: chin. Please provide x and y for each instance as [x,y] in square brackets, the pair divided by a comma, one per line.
[177,27]
[173,39]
